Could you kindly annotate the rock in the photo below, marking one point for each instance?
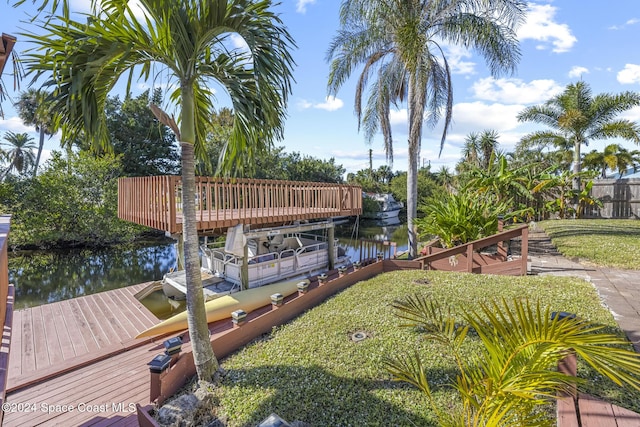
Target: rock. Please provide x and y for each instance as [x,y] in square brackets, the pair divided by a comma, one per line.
[190,409]
[178,411]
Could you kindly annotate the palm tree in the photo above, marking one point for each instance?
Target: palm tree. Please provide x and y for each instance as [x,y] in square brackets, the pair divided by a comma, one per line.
[19,153]
[34,111]
[478,149]
[403,41]
[471,151]
[576,117]
[189,42]
[614,157]
[514,371]
[445,178]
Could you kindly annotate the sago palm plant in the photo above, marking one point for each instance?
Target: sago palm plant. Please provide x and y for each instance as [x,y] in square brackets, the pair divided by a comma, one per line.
[514,372]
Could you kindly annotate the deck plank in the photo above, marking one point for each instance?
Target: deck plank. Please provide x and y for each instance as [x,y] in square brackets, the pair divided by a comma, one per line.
[54,348]
[101,335]
[126,321]
[28,355]
[625,417]
[109,319]
[64,332]
[131,317]
[15,353]
[88,337]
[40,349]
[595,412]
[73,329]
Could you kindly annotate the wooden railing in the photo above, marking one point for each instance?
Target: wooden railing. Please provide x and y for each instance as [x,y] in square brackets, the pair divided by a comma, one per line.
[468,258]
[6,308]
[221,203]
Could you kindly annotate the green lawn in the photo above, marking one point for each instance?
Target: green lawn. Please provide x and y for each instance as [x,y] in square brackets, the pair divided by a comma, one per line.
[603,242]
[310,370]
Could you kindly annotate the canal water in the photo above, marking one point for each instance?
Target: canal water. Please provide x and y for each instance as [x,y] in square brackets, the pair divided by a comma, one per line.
[45,277]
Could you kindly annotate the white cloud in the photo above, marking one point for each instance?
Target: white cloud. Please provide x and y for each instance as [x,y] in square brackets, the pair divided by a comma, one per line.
[629,22]
[476,116]
[630,74]
[331,103]
[633,114]
[239,42]
[84,6]
[303,104]
[301,7]
[398,117]
[515,91]
[577,71]
[455,56]
[14,124]
[541,27]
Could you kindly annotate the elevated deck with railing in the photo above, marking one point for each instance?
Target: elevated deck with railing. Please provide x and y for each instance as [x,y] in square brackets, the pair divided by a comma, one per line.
[221,203]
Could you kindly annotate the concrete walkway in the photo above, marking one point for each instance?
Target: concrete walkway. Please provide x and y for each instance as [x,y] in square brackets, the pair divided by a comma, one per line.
[619,289]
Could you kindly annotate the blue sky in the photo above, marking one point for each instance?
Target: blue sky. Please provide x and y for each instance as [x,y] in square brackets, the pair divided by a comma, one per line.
[561,42]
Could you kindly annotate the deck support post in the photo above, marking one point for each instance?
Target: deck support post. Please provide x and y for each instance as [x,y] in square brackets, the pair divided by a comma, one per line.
[244,268]
[179,246]
[331,238]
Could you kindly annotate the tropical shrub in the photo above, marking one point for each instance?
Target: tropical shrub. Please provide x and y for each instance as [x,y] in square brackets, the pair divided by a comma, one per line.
[561,198]
[507,381]
[460,218]
[73,202]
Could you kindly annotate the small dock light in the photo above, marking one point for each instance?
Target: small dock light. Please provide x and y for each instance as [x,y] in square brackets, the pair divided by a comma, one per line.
[277,299]
[172,346]
[303,287]
[239,317]
[322,278]
[159,363]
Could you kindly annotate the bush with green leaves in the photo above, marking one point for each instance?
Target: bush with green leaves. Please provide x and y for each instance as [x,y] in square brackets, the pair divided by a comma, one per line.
[514,372]
[460,218]
[73,202]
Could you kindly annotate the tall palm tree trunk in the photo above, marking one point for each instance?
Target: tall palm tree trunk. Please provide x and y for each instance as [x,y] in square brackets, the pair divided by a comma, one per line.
[204,359]
[576,174]
[412,201]
[416,110]
[40,146]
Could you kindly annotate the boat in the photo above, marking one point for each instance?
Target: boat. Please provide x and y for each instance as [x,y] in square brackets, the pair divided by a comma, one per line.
[388,207]
[273,255]
[174,285]
[221,308]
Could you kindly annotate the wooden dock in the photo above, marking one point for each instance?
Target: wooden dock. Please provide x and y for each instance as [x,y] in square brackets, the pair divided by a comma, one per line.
[221,203]
[87,372]
[54,337]
[81,353]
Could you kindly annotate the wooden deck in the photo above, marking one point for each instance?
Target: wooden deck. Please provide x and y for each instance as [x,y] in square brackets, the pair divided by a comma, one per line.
[99,386]
[594,412]
[156,202]
[53,338]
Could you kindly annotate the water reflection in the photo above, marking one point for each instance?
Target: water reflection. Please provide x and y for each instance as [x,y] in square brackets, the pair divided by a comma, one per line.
[44,277]
[349,235]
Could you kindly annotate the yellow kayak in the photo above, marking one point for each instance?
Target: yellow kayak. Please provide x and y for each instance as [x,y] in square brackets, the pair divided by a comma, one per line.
[221,308]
